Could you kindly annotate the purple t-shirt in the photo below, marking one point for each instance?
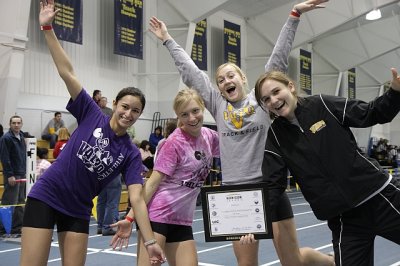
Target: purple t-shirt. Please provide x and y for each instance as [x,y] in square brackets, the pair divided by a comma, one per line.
[93,157]
[186,162]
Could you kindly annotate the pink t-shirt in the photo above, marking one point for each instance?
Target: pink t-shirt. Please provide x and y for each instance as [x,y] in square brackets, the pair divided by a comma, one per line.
[186,162]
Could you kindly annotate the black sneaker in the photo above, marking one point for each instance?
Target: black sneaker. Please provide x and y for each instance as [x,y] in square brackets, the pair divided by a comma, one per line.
[99,231]
[108,232]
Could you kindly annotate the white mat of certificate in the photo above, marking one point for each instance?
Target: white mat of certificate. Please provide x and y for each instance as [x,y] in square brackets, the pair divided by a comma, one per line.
[236,212]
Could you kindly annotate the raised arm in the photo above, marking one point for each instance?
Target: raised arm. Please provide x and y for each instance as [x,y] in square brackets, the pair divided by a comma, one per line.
[60,58]
[191,75]
[359,114]
[279,58]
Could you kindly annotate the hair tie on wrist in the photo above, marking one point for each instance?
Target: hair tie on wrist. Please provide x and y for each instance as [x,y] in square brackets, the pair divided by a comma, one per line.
[129,219]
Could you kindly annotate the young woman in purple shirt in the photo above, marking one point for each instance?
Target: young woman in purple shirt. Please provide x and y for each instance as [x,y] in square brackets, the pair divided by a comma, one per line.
[97,152]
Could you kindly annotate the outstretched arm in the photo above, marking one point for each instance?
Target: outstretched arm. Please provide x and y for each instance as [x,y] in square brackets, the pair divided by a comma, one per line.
[396,80]
[60,58]
[191,75]
[279,58]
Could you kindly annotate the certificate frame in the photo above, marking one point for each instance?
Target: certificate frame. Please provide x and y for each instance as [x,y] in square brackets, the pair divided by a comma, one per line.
[230,211]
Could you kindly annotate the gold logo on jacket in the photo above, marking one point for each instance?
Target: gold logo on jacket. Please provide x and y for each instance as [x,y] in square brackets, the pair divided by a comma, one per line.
[318,126]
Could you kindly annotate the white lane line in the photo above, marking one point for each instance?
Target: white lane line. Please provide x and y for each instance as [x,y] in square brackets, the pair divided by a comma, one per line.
[278,261]
[214,248]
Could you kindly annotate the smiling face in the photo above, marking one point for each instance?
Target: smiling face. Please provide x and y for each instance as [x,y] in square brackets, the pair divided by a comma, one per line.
[189,108]
[277,93]
[231,82]
[126,111]
[191,118]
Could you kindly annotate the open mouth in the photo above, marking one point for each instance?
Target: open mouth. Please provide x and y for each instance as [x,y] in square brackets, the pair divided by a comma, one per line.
[231,90]
[280,107]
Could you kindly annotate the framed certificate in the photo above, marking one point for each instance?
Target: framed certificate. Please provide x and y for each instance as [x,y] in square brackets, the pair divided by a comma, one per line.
[230,212]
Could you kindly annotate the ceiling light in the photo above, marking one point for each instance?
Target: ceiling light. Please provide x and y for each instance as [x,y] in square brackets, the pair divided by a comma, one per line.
[373,15]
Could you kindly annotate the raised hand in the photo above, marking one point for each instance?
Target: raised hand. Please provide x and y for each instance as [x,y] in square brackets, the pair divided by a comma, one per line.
[159,29]
[396,80]
[121,237]
[47,12]
[309,5]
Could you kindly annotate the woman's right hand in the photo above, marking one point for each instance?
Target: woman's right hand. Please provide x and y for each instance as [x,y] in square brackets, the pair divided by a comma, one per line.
[122,235]
[47,12]
[159,29]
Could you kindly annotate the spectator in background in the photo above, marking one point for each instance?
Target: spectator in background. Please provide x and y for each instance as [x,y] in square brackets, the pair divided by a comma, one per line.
[155,137]
[13,159]
[63,137]
[147,155]
[108,199]
[132,133]
[51,130]
[107,207]
[97,96]
[1,131]
[41,161]
[103,106]
[169,128]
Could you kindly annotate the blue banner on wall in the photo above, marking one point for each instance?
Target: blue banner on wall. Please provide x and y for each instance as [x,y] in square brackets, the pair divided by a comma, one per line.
[305,72]
[351,81]
[232,39]
[68,21]
[199,48]
[128,28]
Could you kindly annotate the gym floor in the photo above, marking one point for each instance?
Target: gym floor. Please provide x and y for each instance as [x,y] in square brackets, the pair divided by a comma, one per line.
[311,232]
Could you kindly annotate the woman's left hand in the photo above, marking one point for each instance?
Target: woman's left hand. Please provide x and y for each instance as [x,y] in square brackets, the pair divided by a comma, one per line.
[396,80]
[121,237]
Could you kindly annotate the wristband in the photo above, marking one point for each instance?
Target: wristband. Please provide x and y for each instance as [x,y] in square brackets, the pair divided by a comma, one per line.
[129,219]
[297,10]
[165,42]
[150,242]
[295,13]
[46,27]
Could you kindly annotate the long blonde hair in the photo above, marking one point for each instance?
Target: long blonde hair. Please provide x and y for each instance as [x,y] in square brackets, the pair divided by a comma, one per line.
[63,134]
[183,98]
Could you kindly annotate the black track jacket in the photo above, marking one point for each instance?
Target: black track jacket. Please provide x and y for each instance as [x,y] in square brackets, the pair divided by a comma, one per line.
[322,154]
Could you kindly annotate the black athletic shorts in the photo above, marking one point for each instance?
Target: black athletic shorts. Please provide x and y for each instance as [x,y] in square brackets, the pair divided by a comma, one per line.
[282,210]
[38,214]
[172,232]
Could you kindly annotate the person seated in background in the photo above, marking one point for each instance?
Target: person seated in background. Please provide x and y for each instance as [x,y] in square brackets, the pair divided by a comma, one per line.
[147,155]
[103,106]
[51,130]
[155,137]
[63,137]
[41,161]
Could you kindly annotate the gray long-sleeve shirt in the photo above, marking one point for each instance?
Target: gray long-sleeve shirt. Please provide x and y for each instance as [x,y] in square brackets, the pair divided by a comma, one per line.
[243,125]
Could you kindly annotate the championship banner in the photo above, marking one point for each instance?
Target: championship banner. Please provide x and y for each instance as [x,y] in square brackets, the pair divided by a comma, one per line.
[305,72]
[351,81]
[68,21]
[199,47]
[232,43]
[128,28]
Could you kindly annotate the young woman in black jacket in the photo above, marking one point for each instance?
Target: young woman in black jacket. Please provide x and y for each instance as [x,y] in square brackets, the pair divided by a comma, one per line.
[312,138]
